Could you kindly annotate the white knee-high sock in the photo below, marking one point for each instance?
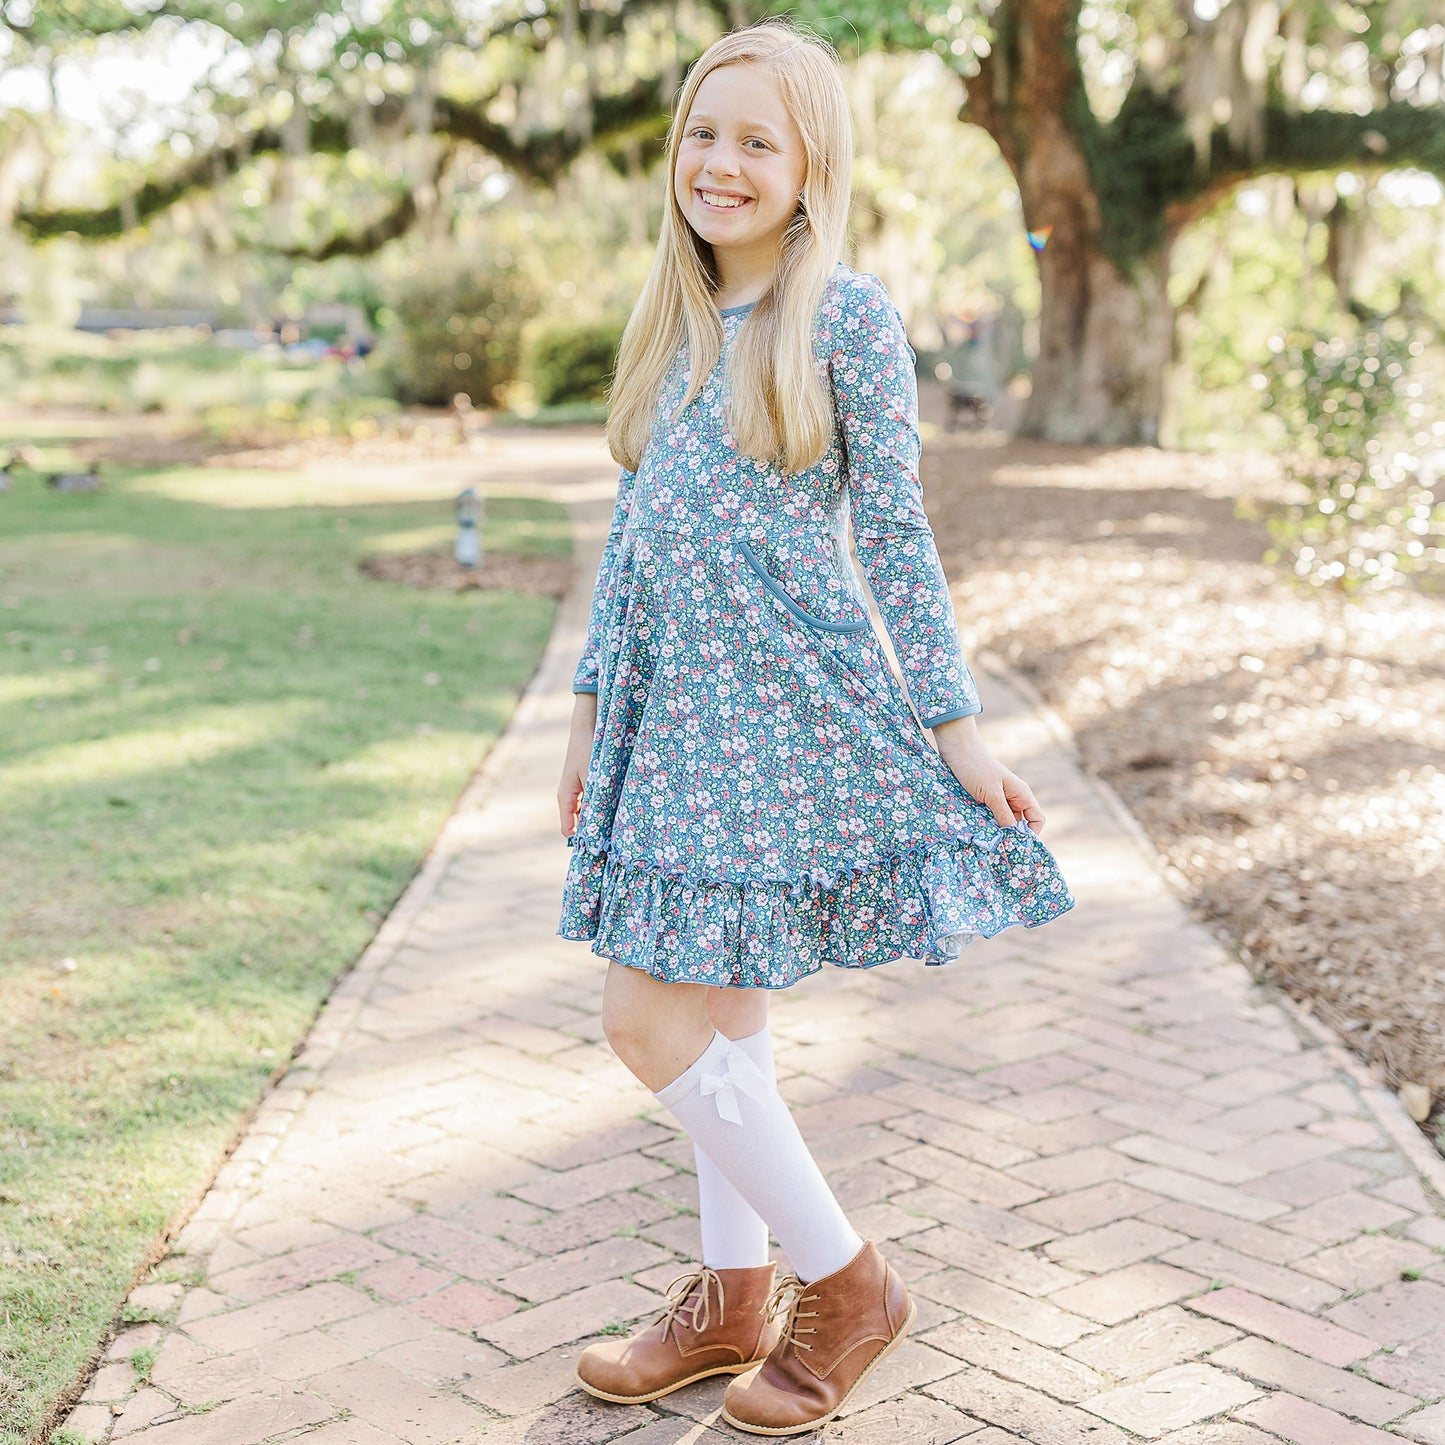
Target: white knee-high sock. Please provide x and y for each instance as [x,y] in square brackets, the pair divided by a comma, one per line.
[733,1233]
[739,1120]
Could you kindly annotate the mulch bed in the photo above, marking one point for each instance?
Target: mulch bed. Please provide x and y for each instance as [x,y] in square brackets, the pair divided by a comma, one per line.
[1284,750]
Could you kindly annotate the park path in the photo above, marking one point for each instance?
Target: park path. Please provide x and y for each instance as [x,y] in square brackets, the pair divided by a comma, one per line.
[1136,1197]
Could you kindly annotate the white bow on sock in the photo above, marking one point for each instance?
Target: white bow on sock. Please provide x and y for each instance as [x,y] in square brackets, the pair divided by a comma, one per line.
[765,1160]
[740,1072]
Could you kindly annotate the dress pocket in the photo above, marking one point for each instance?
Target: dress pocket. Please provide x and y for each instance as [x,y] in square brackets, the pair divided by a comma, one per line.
[795,607]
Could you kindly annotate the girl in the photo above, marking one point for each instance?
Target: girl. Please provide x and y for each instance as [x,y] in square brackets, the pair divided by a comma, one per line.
[746,793]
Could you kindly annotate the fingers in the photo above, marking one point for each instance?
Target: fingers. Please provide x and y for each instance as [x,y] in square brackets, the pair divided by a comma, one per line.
[568,799]
[998,805]
[1023,802]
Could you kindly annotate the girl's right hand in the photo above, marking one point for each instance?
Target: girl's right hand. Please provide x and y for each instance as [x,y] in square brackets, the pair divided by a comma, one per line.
[575,764]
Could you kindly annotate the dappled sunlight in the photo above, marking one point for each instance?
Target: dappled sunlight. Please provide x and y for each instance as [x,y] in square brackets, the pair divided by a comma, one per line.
[1409,810]
[45,685]
[1284,751]
[1123,469]
[413,539]
[415,759]
[65,1003]
[201,736]
[27,426]
[327,486]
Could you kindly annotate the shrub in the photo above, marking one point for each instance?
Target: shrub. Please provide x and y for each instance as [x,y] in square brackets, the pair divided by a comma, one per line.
[1363,447]
[572,363]
[455,328]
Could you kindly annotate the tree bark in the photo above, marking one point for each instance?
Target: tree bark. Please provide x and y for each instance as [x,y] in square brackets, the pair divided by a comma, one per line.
[1106,335]
[1106,342]
[1106,329]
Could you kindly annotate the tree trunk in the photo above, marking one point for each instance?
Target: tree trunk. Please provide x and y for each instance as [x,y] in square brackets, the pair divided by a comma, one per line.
[1106,342]
[1106,329]
[1106,335]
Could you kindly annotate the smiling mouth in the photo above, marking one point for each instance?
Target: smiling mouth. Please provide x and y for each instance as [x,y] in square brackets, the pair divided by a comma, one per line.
[715,202]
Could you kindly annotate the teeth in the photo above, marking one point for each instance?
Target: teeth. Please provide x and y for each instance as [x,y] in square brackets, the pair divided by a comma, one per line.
[727,202]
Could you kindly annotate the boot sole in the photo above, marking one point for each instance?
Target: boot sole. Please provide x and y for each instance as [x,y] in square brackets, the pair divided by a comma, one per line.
[666,1389]
[803,1429]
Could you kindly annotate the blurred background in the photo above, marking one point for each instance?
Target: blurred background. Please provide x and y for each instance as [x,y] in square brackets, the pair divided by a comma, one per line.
[278,282]
[237,202]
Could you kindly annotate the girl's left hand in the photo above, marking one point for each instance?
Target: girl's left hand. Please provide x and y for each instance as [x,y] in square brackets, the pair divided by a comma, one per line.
[1003,793]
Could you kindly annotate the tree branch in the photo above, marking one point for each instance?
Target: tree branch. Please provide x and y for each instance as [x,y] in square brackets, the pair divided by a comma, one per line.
[396,221]
[541,156]
[1030,73]
[1315,140]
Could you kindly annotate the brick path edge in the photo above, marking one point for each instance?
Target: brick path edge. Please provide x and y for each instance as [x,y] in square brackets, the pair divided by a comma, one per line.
[1383,1103]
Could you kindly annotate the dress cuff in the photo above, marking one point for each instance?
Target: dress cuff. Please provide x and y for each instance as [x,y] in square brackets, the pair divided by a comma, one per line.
[943,717]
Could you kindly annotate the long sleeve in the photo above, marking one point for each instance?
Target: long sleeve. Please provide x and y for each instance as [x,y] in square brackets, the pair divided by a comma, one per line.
[875,390]
[584,679]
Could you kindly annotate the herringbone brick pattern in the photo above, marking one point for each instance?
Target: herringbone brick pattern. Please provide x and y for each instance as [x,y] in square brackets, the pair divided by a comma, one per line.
[1136,1198]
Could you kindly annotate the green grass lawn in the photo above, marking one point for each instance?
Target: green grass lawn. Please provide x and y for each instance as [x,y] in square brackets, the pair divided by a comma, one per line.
[223,753]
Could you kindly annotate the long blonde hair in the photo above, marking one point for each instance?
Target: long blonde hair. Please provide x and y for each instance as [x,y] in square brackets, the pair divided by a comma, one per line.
[780,411]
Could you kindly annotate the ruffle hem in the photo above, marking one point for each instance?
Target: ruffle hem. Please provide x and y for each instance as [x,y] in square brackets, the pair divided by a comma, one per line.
[928,902]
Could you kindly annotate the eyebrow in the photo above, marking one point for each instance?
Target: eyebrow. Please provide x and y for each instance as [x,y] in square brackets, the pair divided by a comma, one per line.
[747,125]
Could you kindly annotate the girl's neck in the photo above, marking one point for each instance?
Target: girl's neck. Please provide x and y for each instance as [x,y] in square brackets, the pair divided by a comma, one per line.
[729,303]
[739,289]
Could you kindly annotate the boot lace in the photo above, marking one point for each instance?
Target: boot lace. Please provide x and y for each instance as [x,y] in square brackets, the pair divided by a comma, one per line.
[789,1296]
[696,1309]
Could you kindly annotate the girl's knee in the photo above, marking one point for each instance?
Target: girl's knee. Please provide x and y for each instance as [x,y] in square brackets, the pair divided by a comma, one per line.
[624,1031]
[655,1028]
[738,1012]
[629,1003]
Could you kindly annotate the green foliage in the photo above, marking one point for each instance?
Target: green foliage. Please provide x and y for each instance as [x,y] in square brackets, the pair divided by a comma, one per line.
[177,373]
[571,413]
[143,1361]
[456,328]
[1255,267]
[1140,163]
[886,24]
[573,363]
[1355,408]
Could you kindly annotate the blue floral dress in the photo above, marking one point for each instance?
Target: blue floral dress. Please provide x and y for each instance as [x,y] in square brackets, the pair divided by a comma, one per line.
[760,799]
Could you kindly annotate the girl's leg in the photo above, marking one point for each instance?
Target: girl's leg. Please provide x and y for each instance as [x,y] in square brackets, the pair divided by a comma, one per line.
[664,1034]
[734,1235]
[719,1322]
[657,1029]
[738,1012]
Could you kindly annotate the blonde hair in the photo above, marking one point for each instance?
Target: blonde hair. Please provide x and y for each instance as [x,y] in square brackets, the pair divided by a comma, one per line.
[780,411]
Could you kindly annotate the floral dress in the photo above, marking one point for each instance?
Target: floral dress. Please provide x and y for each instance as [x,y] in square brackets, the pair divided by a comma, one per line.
[761,799]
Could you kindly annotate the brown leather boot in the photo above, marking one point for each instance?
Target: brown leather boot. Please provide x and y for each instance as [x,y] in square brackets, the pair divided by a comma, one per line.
[855,1316]
[715,1323]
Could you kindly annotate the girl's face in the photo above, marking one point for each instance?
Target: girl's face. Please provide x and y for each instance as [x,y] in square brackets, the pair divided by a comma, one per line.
[740,166]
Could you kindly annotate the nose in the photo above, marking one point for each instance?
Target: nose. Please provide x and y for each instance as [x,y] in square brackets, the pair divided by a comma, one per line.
[722,159]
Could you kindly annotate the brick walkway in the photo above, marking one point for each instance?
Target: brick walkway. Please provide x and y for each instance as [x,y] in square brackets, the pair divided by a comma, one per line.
[1135,1198]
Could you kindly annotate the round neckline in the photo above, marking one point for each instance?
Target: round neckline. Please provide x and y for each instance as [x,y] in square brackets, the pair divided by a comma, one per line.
[733,310]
